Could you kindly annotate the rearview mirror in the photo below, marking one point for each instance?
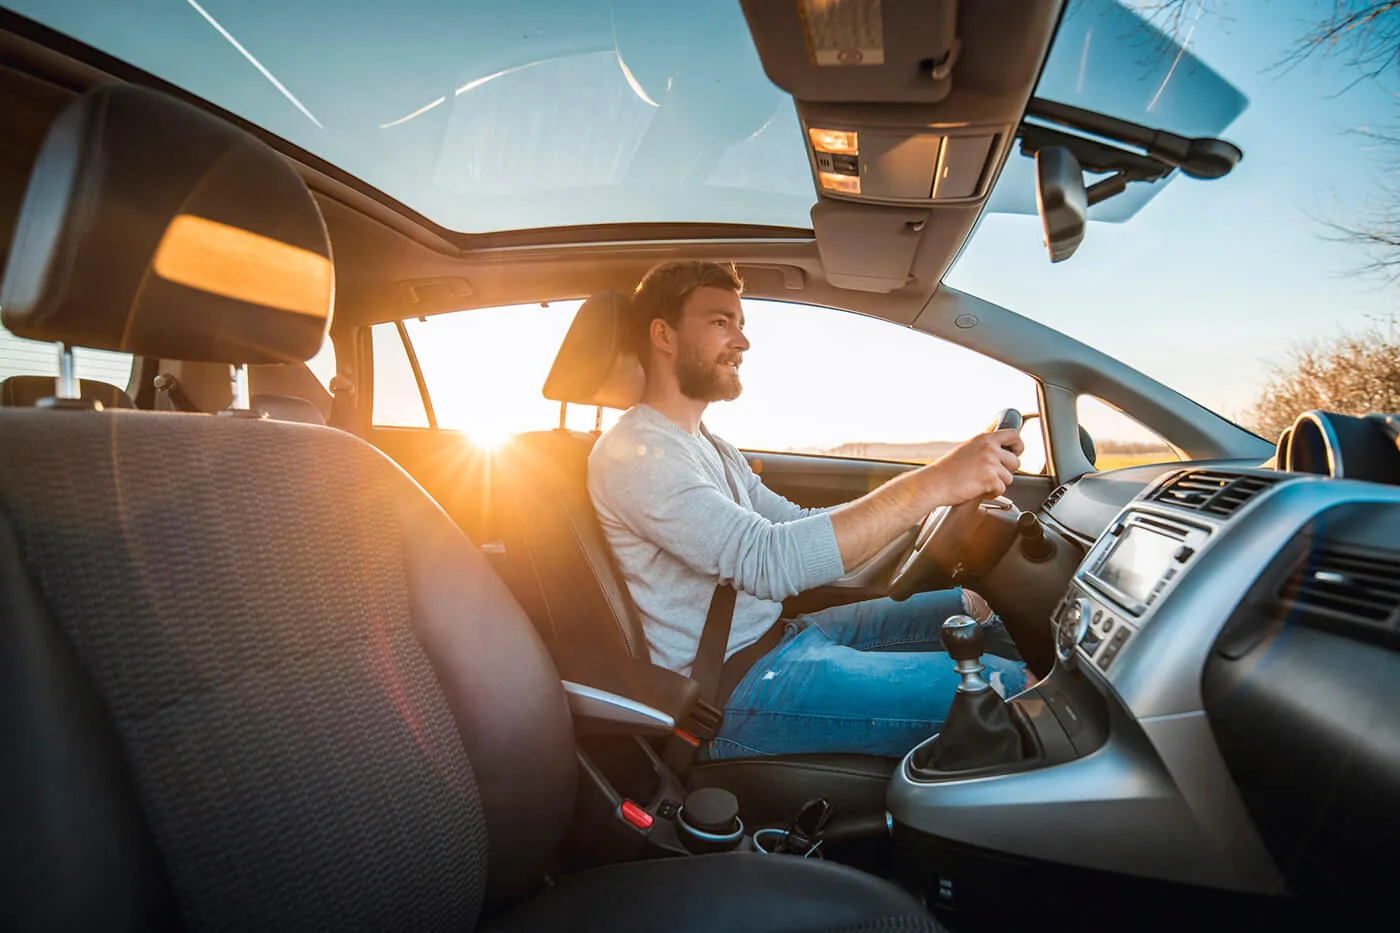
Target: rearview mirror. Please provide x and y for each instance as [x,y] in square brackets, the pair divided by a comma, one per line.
[1061,199]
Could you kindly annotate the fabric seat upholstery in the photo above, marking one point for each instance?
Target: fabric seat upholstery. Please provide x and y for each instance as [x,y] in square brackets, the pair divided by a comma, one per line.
[275,687]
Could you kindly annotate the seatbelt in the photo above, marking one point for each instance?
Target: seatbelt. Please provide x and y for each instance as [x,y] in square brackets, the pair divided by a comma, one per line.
[714,637]
[343,410]
[707,717]
[170,396]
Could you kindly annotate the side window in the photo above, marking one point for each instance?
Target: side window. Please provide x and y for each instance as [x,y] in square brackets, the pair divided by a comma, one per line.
[322,365]
[1119,440]
[838,384]
[20,357]
[397,401]
[485,368]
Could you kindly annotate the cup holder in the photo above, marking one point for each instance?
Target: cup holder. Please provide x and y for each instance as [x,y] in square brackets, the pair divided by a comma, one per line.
[709,821]
[766,840]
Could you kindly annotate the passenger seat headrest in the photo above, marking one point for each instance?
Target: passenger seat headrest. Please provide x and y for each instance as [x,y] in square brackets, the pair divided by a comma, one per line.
[594,365]
[154,228]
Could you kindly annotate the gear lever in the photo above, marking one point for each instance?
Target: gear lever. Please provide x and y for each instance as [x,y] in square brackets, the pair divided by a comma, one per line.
[964,640]
[979,732]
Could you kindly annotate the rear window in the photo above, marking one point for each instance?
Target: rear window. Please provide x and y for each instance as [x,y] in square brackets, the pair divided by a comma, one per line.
[20,357]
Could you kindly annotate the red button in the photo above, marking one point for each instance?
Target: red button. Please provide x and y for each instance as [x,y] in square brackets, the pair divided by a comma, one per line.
[636,815]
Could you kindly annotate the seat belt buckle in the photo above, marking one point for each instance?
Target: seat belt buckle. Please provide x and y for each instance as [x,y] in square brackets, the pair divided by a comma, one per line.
[702,722]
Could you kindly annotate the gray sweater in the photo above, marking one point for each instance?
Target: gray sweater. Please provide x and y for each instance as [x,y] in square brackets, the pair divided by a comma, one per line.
[675,529]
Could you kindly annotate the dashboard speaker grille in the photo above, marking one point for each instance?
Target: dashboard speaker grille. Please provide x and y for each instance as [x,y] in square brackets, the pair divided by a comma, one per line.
[1213,491]
[1361,586]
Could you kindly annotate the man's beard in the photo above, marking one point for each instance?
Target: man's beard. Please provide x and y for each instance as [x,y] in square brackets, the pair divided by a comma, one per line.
[706,380]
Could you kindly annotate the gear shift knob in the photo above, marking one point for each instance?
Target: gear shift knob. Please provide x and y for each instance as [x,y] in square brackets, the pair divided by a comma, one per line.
[964,639]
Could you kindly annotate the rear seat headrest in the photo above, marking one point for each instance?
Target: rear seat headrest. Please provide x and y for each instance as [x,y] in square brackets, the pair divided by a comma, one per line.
[154,228]
[287,408]
[26,391]
[594,365]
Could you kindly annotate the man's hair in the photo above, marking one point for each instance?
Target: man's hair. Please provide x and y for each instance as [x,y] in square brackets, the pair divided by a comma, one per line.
[663,291]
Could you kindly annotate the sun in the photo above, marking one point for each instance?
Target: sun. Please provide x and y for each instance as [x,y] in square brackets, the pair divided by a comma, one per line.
[489,438]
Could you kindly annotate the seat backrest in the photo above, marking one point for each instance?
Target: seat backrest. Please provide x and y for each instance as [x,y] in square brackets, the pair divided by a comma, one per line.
[26,391]
[251,676]
[565,572]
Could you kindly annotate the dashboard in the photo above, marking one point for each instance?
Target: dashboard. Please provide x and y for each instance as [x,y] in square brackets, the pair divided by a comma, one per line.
[1241,625]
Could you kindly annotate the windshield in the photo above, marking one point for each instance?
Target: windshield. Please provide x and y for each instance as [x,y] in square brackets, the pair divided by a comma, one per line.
[1259,294]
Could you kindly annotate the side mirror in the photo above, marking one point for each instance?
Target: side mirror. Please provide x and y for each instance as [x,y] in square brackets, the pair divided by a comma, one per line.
[1061,199]
[1086,443]
[1033,459]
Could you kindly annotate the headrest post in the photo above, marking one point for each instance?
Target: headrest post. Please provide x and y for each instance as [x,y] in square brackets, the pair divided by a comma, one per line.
[242,400]
[598,420]
[67,386]
[563,415]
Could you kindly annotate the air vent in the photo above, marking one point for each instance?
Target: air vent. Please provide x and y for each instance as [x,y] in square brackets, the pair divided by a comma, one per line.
[1212,491]
[1361,586]
[1054,497]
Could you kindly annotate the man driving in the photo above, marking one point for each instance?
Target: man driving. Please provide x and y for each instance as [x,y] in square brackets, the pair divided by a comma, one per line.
[683,511]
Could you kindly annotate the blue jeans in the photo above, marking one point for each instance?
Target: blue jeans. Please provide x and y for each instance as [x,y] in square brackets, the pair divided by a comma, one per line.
[869,678]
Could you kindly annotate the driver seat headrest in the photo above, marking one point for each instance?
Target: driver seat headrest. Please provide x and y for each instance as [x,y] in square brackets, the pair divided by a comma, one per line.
[595,366]
[151,227]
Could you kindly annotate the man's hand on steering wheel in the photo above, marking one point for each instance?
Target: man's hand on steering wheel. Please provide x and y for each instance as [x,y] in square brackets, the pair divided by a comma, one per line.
[956,485]
[978,468]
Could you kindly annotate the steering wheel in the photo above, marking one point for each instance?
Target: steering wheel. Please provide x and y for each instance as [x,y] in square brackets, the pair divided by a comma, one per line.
[940,543]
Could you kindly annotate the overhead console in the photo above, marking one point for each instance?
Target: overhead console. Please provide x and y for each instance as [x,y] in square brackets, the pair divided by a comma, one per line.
[908,110]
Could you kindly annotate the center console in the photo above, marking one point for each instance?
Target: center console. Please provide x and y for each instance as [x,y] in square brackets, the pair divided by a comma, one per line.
[1121,778]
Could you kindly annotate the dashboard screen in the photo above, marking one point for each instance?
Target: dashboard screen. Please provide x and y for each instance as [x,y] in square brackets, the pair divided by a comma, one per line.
[1137,562]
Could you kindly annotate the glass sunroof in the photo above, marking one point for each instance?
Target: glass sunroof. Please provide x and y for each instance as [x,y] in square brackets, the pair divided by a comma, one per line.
[487,116]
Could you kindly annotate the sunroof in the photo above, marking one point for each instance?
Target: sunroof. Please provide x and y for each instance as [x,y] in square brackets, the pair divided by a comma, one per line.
[487,116]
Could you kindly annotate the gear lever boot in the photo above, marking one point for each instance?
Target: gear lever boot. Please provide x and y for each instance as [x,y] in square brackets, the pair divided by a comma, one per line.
[979,732]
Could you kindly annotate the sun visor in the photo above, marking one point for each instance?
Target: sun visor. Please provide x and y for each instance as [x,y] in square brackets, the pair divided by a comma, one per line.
[857,50]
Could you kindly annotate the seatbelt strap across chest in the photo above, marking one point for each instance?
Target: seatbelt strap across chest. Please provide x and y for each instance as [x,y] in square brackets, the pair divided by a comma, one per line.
[714,637]
[707,716]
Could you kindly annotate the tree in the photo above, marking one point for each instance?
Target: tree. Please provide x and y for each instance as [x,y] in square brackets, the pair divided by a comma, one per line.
[1365,35]
[1352,373]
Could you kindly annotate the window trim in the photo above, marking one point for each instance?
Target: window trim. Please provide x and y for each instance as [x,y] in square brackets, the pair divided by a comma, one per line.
[417,374]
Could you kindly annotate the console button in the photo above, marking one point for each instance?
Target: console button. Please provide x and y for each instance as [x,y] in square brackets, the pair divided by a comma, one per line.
[1183,554]
[1117,529]
[1111,650]
[1108,625]
[1091,642]
[1098,614]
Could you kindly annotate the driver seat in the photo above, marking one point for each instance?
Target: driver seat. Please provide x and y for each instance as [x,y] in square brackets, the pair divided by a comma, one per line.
[564,574]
